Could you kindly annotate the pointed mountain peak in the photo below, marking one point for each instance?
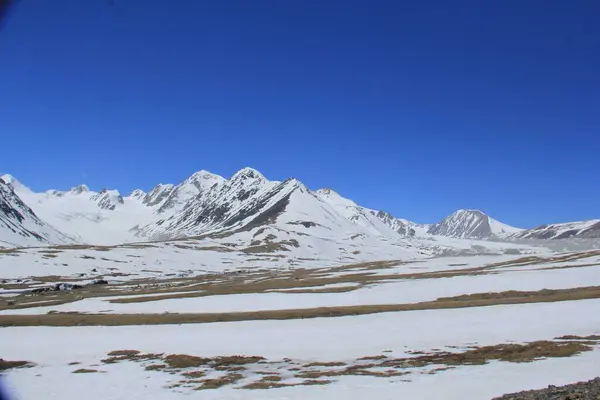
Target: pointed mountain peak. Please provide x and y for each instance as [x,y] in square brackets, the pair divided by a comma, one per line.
[108,199]
[198,184]
[248,173]
[470,223]
[469,211]
[14,183]
[137,194]
[204,175]
[114,193]
[295,184]
[8,178]
[79,189]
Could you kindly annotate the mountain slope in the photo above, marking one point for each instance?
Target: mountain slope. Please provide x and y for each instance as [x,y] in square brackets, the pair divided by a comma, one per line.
[19,225]
[467,224]
[377,222]
[402,226]
[358,215]
[580,229]
[196,185]
[247,196]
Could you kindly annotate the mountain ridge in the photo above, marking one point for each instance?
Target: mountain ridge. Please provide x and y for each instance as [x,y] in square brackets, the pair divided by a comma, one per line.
[206,203]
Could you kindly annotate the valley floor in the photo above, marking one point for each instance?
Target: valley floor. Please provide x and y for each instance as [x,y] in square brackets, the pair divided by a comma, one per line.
[453,328]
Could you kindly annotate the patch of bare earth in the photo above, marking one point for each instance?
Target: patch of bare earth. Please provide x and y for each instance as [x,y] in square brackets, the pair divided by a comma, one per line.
[236,368]
[216,383]
[85,371]
[6,364]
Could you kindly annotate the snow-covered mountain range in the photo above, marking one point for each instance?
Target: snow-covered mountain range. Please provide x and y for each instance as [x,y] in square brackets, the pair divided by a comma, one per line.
[580,229]
[209,205]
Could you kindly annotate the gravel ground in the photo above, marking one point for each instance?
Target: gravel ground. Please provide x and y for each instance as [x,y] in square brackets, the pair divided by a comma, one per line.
[589,390]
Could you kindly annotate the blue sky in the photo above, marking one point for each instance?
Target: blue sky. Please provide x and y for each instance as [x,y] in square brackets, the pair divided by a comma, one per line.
[415,107]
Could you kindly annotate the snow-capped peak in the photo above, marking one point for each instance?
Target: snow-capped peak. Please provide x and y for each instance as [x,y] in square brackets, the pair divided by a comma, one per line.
[137,194]
[296,183]
[158,194]
[108,199]
[468,211]
[79,189]
[14,183]
[470,223]
[8,178]
[199,183]
[248,173]
[204,175]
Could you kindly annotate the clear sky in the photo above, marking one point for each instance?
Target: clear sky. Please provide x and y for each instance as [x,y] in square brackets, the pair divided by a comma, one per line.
[415,107]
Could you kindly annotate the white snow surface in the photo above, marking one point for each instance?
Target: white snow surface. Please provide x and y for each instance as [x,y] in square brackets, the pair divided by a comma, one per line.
[79,214]
[324,339]
[501,229]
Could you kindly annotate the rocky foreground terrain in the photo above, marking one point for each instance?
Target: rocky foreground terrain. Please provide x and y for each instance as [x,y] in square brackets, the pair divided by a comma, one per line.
[589,390]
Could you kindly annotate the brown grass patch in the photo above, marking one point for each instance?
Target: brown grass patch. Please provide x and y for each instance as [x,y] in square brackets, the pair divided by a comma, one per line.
[185,361]
[318,374]
[325,364]
[475,356]
[271,384]
[575,337]
[503,352]
[74,363]
[124,353]
[130,355]
[271,378]
[6,365]
[85,371]
[155,367]
[311,382]
[229,368]
[379,357]
[216,383]
[10,251]
[194,374]
[342,289]
[264,385]
[236,360]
